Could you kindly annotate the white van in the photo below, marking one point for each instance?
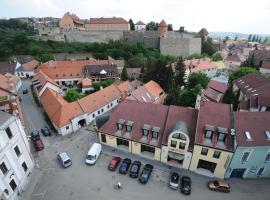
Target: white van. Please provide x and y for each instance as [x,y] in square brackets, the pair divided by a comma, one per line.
[93,153]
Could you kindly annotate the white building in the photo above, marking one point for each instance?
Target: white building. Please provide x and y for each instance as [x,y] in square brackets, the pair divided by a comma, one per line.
[140,26]
[26,70]
[16,162]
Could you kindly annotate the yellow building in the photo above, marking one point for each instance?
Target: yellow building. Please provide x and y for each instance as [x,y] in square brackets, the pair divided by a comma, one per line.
[71,21]
[107,24]
[153,131]
[214,140]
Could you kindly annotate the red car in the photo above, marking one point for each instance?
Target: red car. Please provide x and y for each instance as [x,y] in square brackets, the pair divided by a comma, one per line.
[114,163]
[38,144]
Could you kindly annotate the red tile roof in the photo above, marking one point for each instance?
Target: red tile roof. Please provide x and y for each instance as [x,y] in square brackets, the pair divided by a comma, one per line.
[256,123]
[30,65]
[215,85]
[113,20]
[216,115]
[212,95]
[197,65]
[163,23]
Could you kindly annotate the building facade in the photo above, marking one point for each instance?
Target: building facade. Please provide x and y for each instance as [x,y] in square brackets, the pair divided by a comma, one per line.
[16,162]
[70,21]
[107,24]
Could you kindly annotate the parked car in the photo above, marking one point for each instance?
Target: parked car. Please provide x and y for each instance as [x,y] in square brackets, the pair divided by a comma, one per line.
[123,169]
[185,185]
[114,163]
[174,180]
[35,135]
[93,154]
[46,131]
[39,146]
[220,186]
[135,169]
[146,173]
[25,91]
[64,159]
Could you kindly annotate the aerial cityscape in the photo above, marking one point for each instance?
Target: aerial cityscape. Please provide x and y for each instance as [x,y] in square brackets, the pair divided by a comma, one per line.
[134,100]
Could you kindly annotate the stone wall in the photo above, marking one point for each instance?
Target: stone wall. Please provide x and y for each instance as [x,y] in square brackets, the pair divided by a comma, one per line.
[149,38]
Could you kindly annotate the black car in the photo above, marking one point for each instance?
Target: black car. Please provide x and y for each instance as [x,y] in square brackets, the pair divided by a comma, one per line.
[146,173]
[123,169]
[25,91]
[185,185]
[174,180]
[46,131]
[35,135]
[135,169]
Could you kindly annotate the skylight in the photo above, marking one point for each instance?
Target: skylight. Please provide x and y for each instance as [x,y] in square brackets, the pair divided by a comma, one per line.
[248,136]
[267,134]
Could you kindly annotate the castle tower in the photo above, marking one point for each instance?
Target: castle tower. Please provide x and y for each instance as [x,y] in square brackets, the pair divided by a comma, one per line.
[163,29]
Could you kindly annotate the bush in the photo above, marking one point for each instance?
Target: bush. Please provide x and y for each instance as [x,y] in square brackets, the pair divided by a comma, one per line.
[49,122]
[35,96]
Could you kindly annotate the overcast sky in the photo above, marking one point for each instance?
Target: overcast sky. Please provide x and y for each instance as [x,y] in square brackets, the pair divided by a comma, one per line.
[246,16]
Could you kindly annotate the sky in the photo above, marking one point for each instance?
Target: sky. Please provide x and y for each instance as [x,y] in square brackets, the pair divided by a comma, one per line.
[244,16]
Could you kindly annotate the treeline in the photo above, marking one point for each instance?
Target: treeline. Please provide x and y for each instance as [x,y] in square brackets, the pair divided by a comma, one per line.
[257,38]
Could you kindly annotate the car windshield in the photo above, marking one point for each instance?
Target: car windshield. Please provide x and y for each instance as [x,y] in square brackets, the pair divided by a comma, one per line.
[67,162]
[216,183]
[90,157]
[174,178]
[144,174]
[134,168]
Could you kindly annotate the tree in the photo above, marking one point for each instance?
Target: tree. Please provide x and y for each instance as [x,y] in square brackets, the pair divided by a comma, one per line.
[124,74]
[249,37]
[72,95]
[132,25]
[180,73]
[170,27]
[265,40]
[236,38]
[152,26]
[254,38]
[44,58]
[195,79]
[208,47]
[240,72]
[226,39]
[257,38]
[102,84]
[188,96]
[216,57]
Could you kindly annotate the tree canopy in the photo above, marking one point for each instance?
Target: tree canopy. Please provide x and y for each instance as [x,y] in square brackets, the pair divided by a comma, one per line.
[195,79]
[132,25]
[72,95]
[241,72]
[208,47]
[216,57]
[152,26]
[124,74]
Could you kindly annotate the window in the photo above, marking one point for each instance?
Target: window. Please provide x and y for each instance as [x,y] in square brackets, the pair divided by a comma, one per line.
[24,166]
[260,172]
[108,106]
[67,127]
[102,110]
[267,157]
[4,168]
[147,148]
[173,143]
[17,151]
[221,137]
[128,128]
[119,126]
[111,104]
[98,112]
[154,134]
[13,185]
[208,135]
[216,154]
[103,138]
[9,134]
[245,157]
[93,115]
[182,145]
[204,151]
[145,132]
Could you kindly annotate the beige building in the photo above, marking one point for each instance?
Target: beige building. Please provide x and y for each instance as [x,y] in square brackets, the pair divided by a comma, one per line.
[154,131]
[107,24]
[71,21]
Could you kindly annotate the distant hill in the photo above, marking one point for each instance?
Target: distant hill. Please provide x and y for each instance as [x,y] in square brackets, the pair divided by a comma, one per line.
[233,34]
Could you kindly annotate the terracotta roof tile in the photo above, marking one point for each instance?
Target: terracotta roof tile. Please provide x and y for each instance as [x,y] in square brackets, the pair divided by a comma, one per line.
[30,65]
[218,86]
[197,65]
[112,20]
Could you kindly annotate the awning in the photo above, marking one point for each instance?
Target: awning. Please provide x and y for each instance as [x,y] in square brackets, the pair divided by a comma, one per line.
[176,156]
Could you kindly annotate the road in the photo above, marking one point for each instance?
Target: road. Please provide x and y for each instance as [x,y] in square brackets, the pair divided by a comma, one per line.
[81,182]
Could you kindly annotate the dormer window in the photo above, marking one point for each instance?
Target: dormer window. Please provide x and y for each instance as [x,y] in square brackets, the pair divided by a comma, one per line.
[120,124]
[155,132]
[145,130]
[267,134]
[222,132]
[129,125]
[209,131]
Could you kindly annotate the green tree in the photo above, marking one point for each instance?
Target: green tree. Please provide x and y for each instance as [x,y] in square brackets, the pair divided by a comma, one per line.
[44,58]
[216,57]
[240,72]
[132,25]
[152,26]
[170,27]
[249,37]
[254,38]
[72,95]
[188,96]
[195,79]
[265,40]
[124,74]
[179,73]
[102,84]
[208,47]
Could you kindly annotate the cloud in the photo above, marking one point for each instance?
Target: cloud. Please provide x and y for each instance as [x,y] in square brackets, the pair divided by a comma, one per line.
[246,16]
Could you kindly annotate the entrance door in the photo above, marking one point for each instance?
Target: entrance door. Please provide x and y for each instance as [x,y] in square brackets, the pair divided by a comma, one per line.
[207,165]
[238,173]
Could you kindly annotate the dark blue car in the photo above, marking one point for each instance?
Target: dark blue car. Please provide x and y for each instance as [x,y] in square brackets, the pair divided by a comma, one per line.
[123,169]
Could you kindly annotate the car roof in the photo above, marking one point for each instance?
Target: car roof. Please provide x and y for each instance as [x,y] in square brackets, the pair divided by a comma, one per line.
[222,183]
[63,156]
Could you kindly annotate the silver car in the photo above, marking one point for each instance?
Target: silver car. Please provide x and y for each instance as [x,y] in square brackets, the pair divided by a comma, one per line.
[64,159]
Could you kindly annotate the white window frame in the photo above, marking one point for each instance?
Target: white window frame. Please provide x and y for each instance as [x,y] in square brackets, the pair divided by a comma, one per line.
[268,153]
[247,157]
